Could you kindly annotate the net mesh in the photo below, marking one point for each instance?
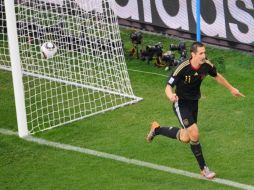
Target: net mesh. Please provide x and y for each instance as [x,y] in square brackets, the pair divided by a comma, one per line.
[4,51]
[86,76]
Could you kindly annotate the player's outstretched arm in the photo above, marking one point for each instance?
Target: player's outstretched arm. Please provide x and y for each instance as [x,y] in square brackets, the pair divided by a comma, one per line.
[234,91]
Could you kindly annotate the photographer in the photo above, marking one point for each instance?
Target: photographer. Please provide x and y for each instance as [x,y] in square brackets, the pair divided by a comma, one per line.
[136,40]
[151,51]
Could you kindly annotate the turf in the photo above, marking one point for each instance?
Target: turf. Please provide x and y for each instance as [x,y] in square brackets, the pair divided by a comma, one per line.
[225,122]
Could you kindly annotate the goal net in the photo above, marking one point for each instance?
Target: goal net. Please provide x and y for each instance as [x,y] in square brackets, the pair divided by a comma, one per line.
[87,75]
[4,51]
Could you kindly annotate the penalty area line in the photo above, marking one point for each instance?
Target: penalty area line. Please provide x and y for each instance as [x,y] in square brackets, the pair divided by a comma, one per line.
[126,160]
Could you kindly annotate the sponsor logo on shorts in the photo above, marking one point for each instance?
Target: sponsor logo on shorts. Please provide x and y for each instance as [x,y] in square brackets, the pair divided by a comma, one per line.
[186,122]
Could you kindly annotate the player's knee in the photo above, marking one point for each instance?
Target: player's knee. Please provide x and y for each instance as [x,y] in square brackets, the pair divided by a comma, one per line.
[185,140]
[184,136]
[193,132]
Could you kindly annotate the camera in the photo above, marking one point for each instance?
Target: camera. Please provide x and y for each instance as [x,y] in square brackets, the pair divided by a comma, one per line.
[155,50]
[180,47]
[136,37]
[151,51]
[183,54]
[178,61]
[168,58]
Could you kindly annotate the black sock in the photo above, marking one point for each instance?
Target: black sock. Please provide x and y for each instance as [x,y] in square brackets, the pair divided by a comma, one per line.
[197,151]
[171,132]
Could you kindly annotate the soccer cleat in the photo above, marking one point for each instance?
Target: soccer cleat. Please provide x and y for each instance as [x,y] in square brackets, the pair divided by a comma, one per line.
[151,133]
[208,173]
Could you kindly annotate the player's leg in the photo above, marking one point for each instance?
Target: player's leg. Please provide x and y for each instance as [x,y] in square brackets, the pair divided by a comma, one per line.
[171,132]
[195,145]
[184,116]
[193,133]
[196,149]
[184,136]
[156,129]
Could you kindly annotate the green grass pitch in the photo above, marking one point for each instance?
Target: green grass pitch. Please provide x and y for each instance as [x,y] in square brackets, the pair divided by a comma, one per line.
[226,127]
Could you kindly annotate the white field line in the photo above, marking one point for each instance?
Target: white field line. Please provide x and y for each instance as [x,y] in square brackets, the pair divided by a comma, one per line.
[126,160]
[151,73]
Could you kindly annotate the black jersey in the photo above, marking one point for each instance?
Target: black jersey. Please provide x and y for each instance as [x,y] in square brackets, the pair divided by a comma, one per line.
[188,79]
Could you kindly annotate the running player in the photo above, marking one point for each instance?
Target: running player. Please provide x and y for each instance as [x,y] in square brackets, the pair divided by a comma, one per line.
[187,79]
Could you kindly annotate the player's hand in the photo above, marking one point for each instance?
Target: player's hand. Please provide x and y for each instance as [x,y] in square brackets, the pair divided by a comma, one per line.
[173,98]
[235,92]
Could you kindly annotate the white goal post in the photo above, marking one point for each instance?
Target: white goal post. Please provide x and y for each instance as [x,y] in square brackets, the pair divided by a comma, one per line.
[87,75]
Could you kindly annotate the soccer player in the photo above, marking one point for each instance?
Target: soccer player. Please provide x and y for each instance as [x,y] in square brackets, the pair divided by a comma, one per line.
[187,79]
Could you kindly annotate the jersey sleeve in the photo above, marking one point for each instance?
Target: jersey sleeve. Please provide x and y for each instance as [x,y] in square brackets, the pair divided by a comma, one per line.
[212,69]
[173,78]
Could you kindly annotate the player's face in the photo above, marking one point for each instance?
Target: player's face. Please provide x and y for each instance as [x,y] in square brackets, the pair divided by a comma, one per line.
[199,56]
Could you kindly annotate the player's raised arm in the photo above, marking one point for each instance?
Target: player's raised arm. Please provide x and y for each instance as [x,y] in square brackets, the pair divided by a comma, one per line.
[221,80]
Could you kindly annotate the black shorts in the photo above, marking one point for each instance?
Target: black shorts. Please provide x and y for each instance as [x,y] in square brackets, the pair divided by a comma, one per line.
[186,112]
